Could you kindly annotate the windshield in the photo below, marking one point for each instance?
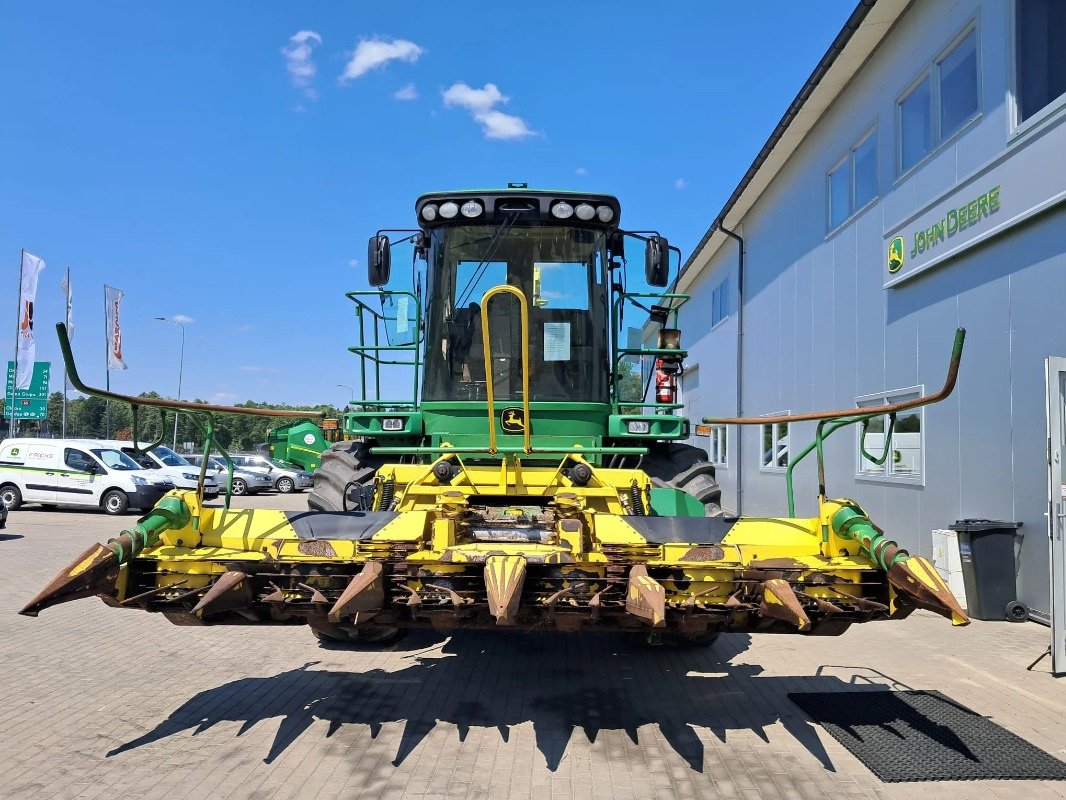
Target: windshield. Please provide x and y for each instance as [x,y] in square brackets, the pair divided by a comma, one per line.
[115,459]
[169,457]
[561,272]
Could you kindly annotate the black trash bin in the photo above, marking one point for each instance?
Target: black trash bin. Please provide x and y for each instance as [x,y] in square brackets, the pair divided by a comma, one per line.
[989,571]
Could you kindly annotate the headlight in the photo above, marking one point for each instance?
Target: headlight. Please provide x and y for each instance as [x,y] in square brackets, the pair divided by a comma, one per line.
[605,213]
[190,476]
[392,424]
[429,212]
[562,210]
[638,426]
[449,210]
[471,208]
[585,212]
[139,481]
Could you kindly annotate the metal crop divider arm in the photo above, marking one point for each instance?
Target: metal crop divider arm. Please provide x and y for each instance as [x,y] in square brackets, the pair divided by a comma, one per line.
[202,414]
[831,421]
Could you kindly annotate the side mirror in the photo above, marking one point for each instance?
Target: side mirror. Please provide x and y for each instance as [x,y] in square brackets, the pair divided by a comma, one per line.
[378,260]
[657,261]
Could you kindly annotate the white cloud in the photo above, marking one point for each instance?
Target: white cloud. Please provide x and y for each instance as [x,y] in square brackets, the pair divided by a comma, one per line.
[223,398]
[245,328]
[408,92]
[353,263]
[680,183]
[251,368]
[481,103]
[581,171]
[373,53]
[298,61]
[182,318]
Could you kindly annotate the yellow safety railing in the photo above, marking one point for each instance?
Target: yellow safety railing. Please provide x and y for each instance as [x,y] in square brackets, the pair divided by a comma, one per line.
[486,342]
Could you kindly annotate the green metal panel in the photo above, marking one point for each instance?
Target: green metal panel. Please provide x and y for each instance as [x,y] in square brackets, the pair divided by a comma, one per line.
[668,502]
[660,426]
[571,420]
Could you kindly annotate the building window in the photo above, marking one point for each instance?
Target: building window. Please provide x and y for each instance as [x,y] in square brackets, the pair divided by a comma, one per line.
[853,180]
[720,302]
[774,445]
[900,458]
[940,102]
[718,447]
[1040,29]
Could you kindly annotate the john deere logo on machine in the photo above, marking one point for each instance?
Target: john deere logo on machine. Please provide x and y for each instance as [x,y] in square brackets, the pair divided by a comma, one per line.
[895,254]
[513,420]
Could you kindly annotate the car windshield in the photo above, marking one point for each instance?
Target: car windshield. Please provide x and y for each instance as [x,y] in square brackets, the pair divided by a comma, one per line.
[169,457]
[115,459]
[560,270]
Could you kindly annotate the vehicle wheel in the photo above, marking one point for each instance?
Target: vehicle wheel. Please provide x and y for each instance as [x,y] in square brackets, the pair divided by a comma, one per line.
[11,497]
[1017,612]
[239,487]
[115,502]
[285,485]
[372,636]
[684,467]
[345,469]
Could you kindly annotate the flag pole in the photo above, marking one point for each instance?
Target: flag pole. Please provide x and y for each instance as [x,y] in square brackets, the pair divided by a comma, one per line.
[66,317]
[107,371]
[13,427]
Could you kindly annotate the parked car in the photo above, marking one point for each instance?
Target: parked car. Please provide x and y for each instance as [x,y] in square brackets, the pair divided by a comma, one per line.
[77,473]
[245,481]
[287,477]
[169,464]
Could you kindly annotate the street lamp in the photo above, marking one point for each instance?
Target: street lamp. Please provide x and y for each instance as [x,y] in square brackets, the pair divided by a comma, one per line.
[181,367]
[350,389]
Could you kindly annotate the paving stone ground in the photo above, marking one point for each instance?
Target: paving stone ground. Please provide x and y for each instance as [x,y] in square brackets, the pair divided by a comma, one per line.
[99,703]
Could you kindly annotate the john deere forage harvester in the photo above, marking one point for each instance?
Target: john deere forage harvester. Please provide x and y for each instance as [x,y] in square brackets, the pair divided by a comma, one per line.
[518,484]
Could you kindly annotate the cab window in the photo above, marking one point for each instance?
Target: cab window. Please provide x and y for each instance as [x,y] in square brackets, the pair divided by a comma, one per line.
[79,461]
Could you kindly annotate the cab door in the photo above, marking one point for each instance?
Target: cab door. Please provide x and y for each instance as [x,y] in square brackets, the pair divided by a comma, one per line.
[79,481]
[39,472]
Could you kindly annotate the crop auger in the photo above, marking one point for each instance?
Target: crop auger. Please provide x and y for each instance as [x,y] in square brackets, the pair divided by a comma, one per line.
[528,481]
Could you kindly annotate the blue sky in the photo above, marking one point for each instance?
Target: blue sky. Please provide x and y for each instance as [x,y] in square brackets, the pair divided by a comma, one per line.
[203,160]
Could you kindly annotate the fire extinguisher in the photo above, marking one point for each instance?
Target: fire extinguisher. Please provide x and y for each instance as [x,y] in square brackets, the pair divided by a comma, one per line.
[665,384]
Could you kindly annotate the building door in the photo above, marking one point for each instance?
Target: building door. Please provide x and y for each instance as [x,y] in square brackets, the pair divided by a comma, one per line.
[1056,426]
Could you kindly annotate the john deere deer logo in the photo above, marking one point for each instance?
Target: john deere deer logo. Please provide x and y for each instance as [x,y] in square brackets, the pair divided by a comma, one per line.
[895,254]
[513,420]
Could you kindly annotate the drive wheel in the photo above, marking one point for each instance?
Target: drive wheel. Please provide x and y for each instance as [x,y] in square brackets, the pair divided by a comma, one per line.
[285,485]
[370,636]
[11,497]
[345,469]
[684,467]
[239,487]
[115,502]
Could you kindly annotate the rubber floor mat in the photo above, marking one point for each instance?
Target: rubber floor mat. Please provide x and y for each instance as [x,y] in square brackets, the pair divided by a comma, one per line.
[925,736]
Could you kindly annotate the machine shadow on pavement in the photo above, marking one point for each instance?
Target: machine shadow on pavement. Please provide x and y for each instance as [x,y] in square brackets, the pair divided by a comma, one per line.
[499,679]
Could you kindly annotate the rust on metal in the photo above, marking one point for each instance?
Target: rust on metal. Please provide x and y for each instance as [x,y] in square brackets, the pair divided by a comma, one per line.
[780,602]
[93,572]
[316,547]
[504,578]
[711,553]
[646,597]
[921,583]
[316,596]
[137,598]
[228,580]
[365,592]
[453,596]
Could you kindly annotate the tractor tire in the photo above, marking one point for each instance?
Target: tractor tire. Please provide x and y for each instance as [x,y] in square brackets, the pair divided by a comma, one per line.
[682,466]
[344,470]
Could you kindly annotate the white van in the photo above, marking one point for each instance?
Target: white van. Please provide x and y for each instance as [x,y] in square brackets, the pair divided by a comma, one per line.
[76,473]
[169,464]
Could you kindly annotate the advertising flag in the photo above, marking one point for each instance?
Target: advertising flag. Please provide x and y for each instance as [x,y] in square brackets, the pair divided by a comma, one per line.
[112,301]
[68,293]
[27,347]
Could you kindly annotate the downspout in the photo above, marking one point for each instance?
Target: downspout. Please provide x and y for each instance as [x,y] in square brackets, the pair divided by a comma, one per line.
[738,448]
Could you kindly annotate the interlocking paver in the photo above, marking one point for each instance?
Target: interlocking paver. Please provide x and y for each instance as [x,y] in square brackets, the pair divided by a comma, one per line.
[101,703]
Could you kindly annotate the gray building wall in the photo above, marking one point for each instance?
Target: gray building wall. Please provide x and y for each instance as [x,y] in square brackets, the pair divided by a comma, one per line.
[821,326]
